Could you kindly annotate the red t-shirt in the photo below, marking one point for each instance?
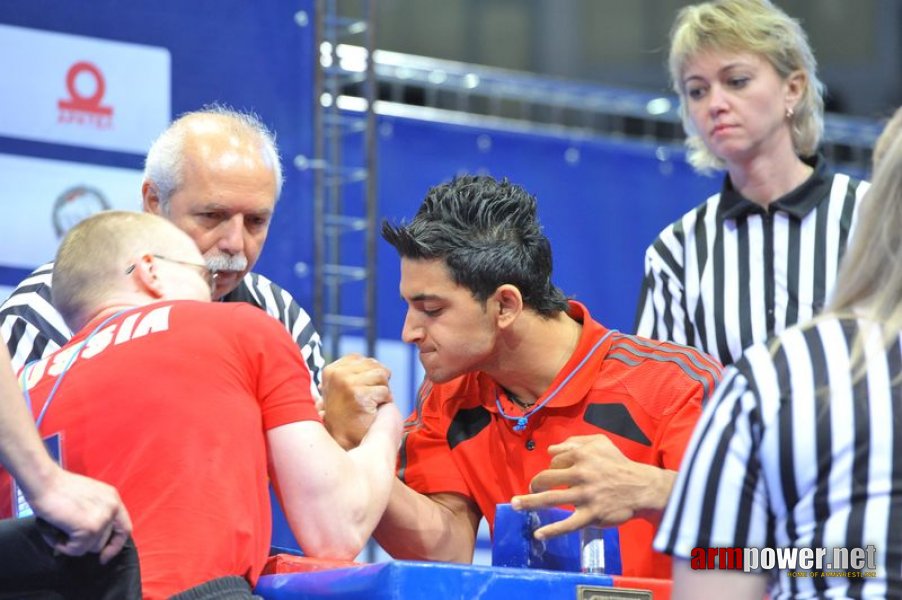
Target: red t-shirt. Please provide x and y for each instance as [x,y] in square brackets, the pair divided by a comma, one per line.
[169,403]
[645,395]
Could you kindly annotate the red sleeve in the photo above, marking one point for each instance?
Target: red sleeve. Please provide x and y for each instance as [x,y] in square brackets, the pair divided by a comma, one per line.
[282,379]
[691,385]
[424,461]
[670,383]
[675,429]
[6,494]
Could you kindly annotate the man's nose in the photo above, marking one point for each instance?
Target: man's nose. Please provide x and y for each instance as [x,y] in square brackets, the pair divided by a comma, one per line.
[231,240]
[410,332]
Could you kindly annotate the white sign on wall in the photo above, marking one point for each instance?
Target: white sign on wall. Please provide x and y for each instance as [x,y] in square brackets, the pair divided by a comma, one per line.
[82,91]
[41,199]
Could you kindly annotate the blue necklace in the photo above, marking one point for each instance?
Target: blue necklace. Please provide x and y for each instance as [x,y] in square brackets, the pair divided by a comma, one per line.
[523,420]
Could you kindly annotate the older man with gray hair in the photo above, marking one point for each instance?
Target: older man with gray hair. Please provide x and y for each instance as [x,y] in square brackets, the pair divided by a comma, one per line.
[214,173]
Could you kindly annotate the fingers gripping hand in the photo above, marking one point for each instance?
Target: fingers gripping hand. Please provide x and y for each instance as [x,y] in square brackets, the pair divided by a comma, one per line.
[353,388]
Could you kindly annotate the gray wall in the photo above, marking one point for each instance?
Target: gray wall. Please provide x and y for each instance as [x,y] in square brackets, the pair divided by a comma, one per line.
[623,42]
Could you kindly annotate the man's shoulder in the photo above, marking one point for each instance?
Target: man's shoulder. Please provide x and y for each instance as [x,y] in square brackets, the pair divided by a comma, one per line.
[30,303]
[801,346]
[31,325]
[685,223]
[652,367]
[38,282]
[257,290]
[260,291]
[650,352]
[225,314]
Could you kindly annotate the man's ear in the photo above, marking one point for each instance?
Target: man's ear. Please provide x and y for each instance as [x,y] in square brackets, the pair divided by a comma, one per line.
[510,304]
[151,198]
[144,273]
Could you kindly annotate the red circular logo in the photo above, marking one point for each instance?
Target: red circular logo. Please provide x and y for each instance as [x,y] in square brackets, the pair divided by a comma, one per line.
[85,103]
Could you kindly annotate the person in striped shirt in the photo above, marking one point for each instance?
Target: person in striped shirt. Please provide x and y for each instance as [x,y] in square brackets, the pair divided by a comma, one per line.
[801,445]
[215,173]
[762,254]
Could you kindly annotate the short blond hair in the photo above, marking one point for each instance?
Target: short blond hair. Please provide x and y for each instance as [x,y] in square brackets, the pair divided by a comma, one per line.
[91,260]
[758,27]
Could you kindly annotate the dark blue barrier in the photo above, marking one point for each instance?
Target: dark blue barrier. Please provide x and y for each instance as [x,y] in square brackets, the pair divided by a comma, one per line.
[406,579]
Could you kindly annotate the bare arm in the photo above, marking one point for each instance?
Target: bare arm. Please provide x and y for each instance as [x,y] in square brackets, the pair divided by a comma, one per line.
[332,498]
[604,486]
[89,512]
[713,584]
[435,527]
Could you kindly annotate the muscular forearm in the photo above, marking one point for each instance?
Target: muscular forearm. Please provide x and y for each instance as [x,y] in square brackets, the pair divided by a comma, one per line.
[440,527]
[373,459]
[332,498]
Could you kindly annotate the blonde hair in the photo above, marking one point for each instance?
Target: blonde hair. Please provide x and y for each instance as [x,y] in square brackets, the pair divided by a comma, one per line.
[869,283]
[891,131]
[92,258]
[755,26]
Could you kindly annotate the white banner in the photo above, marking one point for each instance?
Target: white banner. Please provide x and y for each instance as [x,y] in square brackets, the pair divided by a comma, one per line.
[41,199]
[82,91]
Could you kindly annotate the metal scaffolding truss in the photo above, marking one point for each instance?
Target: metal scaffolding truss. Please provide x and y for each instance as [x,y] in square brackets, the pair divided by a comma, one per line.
[344,182]
[443,90]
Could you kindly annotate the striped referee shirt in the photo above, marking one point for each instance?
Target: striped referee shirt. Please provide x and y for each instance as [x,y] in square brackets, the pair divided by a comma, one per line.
[792,451]
[32,328]
[730,273]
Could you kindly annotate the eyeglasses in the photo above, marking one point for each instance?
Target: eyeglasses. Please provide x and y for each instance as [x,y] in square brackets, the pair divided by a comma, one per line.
[205,271]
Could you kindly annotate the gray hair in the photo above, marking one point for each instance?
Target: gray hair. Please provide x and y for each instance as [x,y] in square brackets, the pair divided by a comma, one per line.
[163,165]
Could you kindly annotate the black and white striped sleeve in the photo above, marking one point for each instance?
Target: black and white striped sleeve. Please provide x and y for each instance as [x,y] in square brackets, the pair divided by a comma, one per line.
[799,448]
[31,327]
[278,303]
[662,311]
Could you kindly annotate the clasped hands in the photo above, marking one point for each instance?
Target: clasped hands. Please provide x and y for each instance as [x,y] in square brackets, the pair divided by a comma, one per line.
[353,389]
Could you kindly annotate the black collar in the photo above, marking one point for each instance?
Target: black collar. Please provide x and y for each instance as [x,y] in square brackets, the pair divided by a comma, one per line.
[799,202]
